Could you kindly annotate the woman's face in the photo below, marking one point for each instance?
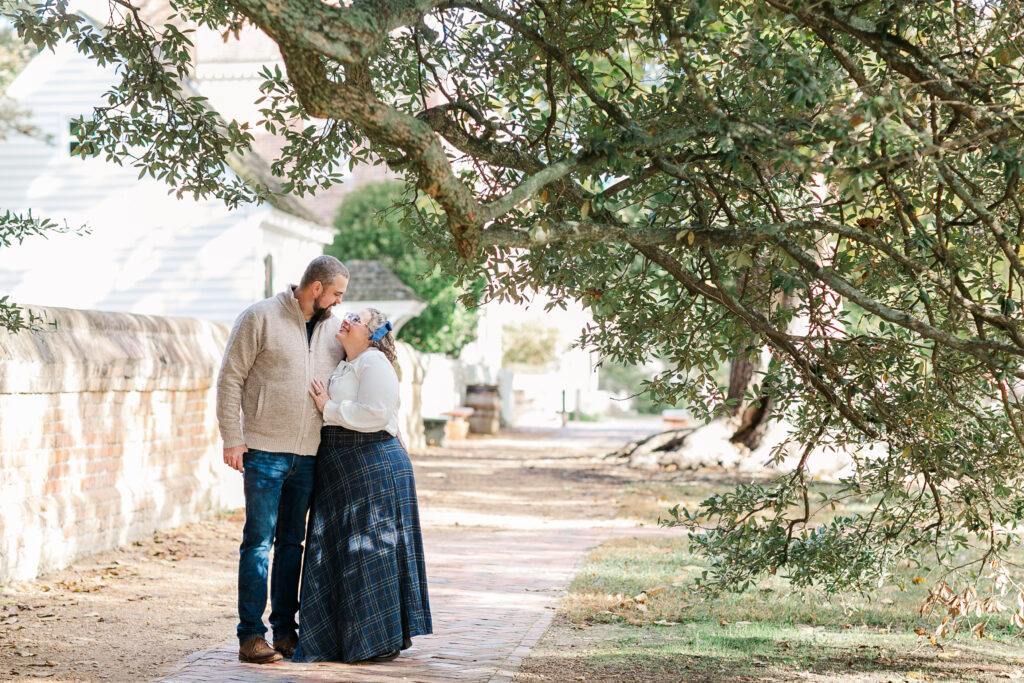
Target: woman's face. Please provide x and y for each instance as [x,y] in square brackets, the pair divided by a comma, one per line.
[353,326]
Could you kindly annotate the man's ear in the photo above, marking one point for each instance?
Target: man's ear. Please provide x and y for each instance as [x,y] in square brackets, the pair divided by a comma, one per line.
[317,288]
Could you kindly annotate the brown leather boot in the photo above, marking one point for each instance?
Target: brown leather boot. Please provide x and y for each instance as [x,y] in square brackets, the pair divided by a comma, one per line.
[286,646]
[256,651]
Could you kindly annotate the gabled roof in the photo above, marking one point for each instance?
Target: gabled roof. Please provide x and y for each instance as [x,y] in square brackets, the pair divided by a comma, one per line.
[372,281]
[253,168]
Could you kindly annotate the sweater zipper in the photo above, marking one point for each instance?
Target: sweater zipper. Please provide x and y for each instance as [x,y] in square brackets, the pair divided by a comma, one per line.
[301,436]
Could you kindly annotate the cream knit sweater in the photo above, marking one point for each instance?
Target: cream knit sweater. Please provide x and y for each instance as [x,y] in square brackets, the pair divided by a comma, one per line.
[263,396]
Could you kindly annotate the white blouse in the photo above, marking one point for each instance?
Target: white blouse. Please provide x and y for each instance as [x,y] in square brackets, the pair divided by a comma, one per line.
[363,394]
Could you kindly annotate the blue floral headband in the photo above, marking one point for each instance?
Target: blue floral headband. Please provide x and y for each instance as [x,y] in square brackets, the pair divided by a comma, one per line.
[381,331]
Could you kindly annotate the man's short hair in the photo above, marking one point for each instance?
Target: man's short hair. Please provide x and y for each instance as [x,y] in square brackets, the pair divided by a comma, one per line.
[323,269]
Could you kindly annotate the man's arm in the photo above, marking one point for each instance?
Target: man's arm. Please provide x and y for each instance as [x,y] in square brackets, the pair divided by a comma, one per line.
[242,348]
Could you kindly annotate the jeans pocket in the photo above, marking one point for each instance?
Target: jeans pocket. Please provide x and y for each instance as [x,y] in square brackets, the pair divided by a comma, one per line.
[261,466]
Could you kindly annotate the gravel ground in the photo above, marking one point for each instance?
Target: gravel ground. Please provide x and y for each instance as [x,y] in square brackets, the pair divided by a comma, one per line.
[134,613]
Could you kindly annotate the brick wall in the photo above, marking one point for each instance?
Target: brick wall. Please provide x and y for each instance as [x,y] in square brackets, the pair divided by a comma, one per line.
[107,433]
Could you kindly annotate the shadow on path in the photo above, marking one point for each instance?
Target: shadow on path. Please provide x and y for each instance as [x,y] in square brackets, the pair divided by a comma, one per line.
[507,522]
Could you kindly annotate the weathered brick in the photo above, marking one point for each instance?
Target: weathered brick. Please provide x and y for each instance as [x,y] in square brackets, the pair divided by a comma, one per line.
[89,445]
[58,471]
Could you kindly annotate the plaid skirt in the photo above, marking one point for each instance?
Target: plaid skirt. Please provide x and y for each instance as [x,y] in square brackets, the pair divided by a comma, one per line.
[364,584]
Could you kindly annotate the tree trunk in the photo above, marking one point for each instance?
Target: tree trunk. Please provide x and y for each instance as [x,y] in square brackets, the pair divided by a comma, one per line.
[753,423]
[741,371]
[753,415]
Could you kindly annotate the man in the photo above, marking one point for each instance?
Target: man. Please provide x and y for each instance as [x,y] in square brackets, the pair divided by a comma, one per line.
[276,348]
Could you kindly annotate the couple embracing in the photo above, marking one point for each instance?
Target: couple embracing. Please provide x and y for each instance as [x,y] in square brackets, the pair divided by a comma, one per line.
[308,411]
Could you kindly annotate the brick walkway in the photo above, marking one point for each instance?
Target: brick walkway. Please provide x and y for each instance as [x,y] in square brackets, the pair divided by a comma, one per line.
[493,589]
[492,593]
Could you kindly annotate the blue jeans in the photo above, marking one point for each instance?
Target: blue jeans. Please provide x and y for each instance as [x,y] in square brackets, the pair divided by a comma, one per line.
[278,487]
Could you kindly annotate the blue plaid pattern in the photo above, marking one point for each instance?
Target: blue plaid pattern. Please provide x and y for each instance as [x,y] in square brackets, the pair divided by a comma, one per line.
[364,583]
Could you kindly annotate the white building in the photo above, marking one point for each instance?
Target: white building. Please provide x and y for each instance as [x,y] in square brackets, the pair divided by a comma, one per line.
[148,252]
[537,395]
[372,285]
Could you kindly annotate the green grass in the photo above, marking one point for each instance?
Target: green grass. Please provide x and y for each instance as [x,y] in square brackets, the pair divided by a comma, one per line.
[643,588]
[635,600]
[895,605]
[615,574]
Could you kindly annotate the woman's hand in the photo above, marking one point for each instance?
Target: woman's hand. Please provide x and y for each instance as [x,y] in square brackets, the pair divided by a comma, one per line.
[319,393]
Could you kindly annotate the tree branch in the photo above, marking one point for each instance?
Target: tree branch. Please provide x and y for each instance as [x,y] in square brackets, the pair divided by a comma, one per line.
[348,35]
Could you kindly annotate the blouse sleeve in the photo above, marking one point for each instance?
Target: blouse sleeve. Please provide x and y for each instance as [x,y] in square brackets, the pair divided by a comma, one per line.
[376,402]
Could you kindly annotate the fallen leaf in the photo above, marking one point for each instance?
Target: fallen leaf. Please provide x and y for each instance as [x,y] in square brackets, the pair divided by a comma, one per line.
[947,655]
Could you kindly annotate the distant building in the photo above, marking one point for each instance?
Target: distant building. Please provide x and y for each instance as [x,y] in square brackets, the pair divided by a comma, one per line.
[374,286]
[148,252]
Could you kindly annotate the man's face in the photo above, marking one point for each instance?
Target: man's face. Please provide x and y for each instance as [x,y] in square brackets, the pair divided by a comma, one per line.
[331,295]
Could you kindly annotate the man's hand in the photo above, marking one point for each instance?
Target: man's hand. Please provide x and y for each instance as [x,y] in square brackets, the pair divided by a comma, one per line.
[233,456]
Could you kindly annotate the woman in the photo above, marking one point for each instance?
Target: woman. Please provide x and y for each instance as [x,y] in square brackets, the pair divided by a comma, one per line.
[364,587]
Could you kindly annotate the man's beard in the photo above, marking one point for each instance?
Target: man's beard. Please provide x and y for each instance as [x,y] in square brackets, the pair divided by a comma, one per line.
[320,311]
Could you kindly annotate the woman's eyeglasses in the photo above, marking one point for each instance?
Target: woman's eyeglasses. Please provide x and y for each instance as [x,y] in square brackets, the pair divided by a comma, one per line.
[354,318]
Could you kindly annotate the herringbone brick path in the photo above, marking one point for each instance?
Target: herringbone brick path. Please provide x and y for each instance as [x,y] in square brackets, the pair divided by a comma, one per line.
[493,588]
[493,594]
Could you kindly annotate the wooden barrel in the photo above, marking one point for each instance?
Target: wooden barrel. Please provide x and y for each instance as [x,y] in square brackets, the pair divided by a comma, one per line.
[486,405]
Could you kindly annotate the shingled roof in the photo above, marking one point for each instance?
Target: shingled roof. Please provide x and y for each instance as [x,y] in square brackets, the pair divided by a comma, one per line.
[372,281]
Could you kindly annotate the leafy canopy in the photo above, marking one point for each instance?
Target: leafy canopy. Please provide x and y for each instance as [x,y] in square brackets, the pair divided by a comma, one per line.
[840,180]
[530,342]
[368,227]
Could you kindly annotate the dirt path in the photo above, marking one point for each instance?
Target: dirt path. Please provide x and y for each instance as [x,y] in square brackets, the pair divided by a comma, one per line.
[136,613]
